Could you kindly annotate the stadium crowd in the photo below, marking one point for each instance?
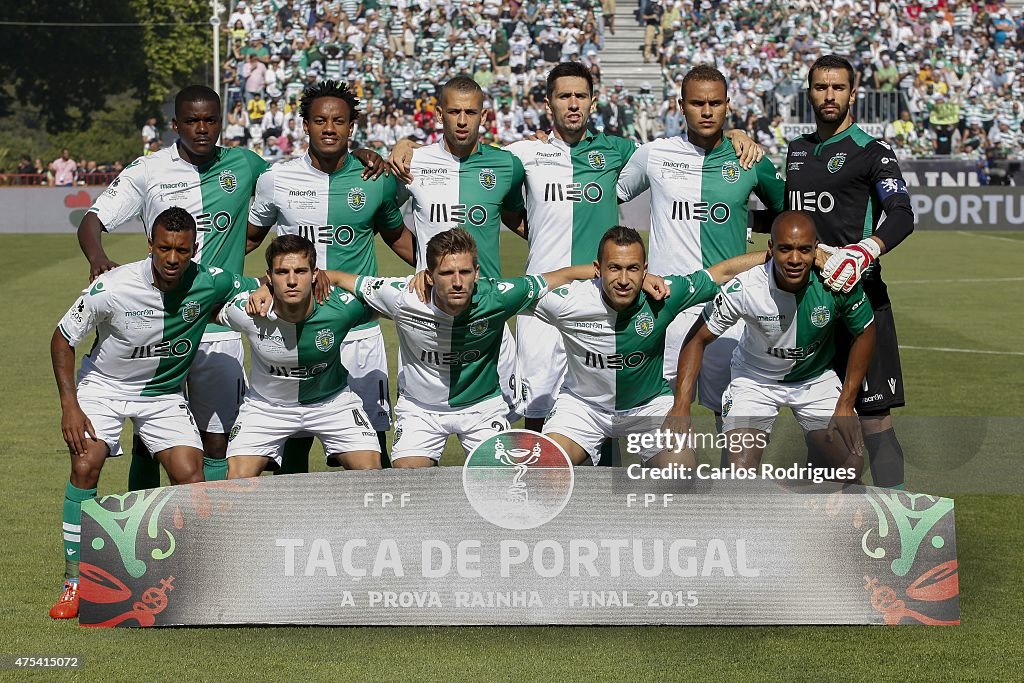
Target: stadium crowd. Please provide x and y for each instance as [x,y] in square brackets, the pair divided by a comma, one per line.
[942,75]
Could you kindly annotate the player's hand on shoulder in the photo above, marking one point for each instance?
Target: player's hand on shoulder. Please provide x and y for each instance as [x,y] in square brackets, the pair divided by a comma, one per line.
[538,136]
[374,163]
[656,287]
[321,286]
[748,151]
[259,302]
[100,266]
[845,268]
[420,286]
[400,159]
[821,256]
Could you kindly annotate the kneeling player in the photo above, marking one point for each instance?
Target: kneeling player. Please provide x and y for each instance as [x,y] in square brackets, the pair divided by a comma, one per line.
[298,384]
[149,317]
[614,337]
[785,354]
[450,344]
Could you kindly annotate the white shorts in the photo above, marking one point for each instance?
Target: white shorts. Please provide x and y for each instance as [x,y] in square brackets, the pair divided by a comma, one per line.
[216,384]
[161,423]
[508,374]
[366,360]
[541,364]
[589,426]
[715,370]
[339,422]
[752,404]
[424,433]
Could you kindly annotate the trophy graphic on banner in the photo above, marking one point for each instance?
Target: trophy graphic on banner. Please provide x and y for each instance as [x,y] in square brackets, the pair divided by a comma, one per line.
[520,459]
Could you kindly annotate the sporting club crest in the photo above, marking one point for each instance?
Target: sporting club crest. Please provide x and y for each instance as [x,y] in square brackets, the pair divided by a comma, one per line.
[234,431]
[596,160]
[356,199]
[190,311]
[730,171]
[820,316]
[488,179]
[478,328]
[644,324]
[836,162]
[228,181]
[324,340]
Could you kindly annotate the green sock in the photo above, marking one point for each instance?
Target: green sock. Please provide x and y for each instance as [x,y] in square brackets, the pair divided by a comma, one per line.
[144,472]
[295,459]
[385,460]
[72,517]
[215,469]
[609,453]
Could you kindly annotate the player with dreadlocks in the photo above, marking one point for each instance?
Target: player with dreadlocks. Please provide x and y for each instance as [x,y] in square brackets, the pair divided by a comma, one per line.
[324,197]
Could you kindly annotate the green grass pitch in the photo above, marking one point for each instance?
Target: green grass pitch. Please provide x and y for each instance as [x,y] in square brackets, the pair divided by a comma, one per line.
[950,290]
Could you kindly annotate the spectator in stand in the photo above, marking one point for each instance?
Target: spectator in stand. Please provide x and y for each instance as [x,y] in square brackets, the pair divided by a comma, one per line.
[904,126]
[273,121]
[254,75]
[150,132]
[26,172]
[63,169]
[652,24]
[974,142]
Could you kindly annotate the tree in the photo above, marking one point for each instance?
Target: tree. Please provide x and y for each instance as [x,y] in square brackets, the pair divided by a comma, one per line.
[69,71]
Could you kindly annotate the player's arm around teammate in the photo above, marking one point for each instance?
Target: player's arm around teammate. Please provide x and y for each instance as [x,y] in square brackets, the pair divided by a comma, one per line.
[298,381]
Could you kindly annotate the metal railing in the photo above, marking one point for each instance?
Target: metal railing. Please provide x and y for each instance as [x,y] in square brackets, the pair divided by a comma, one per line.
[873,106]
[99,179]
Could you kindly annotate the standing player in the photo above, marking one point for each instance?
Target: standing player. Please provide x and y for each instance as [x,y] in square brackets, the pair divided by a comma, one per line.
[323,197]
[614,337]
[149,316]
[571,202]
[846,179]
[458,182]
[699,197]
[785,355]
[298,380]
[214,184]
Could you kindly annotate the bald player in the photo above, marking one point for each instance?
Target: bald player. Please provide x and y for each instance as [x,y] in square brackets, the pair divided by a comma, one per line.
[785,354]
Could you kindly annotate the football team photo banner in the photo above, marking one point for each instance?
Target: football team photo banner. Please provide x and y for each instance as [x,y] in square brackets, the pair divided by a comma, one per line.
[516,537]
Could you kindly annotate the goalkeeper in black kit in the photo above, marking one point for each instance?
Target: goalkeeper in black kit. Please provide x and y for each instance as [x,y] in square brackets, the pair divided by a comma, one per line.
[846,179]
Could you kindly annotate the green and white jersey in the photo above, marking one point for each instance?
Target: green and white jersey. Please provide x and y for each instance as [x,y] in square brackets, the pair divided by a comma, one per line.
[297,363]
[217,195]
[571,198]
[469,193]
[615,359]
[450,362]
[338,212]
[788,337]
[145,339]
[698,201]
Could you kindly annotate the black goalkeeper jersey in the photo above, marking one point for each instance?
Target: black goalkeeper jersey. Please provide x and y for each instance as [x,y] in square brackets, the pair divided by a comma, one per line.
[846,183]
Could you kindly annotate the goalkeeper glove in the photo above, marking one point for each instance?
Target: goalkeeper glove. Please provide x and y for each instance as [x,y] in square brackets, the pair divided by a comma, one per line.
[846,266]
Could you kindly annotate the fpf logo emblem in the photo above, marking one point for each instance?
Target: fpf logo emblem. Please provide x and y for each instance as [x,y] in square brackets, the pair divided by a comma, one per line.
[518,479]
